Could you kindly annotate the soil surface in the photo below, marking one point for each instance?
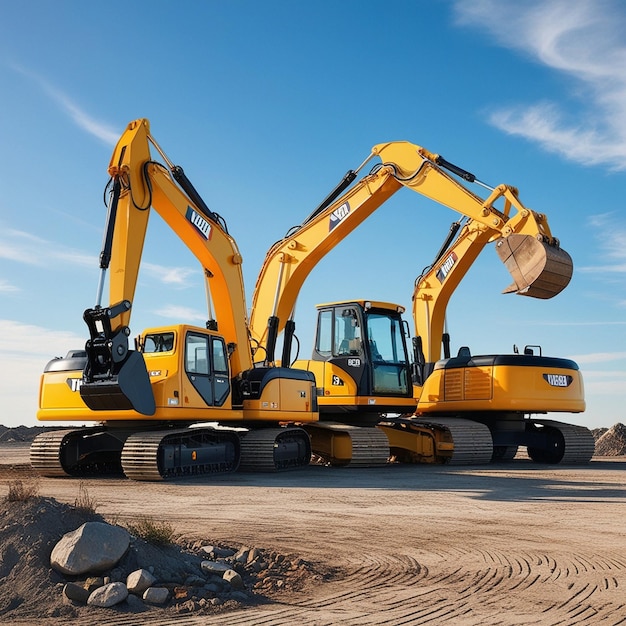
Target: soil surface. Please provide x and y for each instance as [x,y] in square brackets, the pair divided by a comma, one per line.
[515,543]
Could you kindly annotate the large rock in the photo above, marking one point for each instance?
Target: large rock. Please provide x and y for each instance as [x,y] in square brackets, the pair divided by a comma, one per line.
[109,595]
[94,547]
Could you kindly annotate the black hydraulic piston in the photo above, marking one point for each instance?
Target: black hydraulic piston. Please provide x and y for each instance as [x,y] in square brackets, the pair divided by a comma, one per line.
[345,182]
[107,244]
[445,340]
[455,169]
[272,336]
[181,178]
[290,329]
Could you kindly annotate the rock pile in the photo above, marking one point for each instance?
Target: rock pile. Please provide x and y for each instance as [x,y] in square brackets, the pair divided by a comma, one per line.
[612,442]
[57,561]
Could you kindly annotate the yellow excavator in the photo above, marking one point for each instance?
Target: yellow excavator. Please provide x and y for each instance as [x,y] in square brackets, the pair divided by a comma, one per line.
[154,403]
[360,356]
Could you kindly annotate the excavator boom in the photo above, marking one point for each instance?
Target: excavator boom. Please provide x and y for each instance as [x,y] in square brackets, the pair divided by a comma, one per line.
[539,267]
[178,374]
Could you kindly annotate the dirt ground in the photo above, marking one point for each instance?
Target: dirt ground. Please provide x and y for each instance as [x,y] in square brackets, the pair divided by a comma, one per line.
[515,543]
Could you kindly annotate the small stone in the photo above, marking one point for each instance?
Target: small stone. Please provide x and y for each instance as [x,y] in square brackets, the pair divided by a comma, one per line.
[242,555]
[139,580]
[93,582]
[76,593]
[253,554]
[156,595]
[109,595]
[232,577]
[214,567]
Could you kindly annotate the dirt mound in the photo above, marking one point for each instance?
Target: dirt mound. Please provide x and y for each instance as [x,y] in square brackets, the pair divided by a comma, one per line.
[598,432]
[22,433]
[31,589]
[28,532]
[612,442]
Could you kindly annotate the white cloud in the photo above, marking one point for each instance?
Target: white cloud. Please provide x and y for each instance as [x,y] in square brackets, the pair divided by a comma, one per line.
[69,107]
[178,276]
[18,339]
[26,349]
[600,357]
[7,287]
[583,41]
[23,247]
[182,313]
[611,235]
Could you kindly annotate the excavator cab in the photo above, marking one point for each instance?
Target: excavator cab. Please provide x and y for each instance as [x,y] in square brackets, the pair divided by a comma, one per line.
[360,358]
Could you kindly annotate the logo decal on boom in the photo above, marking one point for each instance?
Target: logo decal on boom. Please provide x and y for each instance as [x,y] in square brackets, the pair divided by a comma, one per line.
[337,215]
[558,380]
[448,264]
[202,226]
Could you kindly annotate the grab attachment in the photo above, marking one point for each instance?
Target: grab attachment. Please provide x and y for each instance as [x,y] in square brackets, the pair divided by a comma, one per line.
[540,269]
[115,378]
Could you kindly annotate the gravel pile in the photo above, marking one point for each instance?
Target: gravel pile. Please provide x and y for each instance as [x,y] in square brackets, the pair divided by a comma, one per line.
[612,442]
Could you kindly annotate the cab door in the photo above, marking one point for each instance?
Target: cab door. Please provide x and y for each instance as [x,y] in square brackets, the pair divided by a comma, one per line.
[206,367]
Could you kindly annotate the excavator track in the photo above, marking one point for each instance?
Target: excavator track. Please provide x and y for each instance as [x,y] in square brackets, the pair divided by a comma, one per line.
[567,443]
[274,449]
[45,457]
[473,444]
[349,446]
[76,452]
[185,452]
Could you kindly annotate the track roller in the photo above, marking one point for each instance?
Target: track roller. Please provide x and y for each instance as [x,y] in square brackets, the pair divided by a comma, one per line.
[560,443]
[274,449]
[166,454]
[77,452]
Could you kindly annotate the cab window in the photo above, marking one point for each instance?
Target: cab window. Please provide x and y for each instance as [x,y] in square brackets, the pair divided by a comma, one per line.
[196,354]
[158,342]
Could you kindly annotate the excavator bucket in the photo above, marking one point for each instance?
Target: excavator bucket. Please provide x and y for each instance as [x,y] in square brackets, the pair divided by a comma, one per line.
[115,378]
[539,269]
[124,386]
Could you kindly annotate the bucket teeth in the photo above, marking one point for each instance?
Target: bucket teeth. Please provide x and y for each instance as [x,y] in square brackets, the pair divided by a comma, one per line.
[538,269]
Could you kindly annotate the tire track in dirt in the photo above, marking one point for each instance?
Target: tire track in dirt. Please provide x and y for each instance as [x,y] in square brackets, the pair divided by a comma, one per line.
[402,590]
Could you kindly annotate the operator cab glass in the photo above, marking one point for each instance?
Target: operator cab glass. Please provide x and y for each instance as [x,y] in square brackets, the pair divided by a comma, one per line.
[158,342]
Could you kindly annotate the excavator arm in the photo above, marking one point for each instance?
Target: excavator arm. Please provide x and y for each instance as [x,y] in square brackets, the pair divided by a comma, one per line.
[539,267]
[115,375]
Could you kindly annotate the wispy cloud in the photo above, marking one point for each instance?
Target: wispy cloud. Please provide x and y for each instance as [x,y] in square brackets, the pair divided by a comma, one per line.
[23,247]
[98,129]
[580,39]
[26,348]
[7,287]
[175,276]
[610,232]
[27,340]
[600,357]
[182,313]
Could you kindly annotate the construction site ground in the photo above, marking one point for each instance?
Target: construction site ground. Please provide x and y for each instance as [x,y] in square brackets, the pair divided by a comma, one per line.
[515,543]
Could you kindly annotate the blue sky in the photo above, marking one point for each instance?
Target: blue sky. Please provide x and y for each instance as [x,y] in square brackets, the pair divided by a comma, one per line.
[266,105]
